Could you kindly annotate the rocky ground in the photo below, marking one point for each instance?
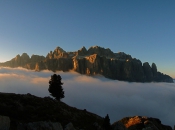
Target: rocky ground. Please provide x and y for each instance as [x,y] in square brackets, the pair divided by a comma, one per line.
[28,112]
[23,109]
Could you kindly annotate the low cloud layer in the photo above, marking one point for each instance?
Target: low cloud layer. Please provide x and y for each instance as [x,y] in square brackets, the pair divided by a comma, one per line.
[98,94]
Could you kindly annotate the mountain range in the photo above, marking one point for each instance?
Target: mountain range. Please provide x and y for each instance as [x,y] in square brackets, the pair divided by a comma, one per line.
[92,61]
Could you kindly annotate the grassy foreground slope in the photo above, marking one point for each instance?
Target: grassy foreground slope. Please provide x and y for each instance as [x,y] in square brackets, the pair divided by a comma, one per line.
[28,108]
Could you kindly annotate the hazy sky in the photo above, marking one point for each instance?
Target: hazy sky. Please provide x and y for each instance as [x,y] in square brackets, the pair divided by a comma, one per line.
[144,29]
[97,94]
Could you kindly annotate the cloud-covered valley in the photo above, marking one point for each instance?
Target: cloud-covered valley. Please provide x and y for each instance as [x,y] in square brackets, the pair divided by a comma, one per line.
[97,94]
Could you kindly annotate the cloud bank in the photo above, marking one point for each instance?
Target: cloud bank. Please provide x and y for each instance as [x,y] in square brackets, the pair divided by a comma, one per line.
[97,94]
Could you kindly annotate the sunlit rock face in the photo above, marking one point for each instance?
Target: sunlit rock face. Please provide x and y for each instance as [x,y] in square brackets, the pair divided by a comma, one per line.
[101,51]
[18,61]
[57,53]
[92,61]
[61,64]
[140,123]
[87,65]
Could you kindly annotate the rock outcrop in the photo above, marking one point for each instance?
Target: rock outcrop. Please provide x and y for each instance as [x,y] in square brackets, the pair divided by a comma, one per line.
[95,60]
[140,123]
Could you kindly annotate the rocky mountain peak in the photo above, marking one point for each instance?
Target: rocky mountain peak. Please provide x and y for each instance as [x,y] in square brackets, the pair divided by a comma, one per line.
[101,51]
[59,50]
[17,57]
[82,51]
[58,53]
[122,55]
[36,58]
[25,57]
[154,69]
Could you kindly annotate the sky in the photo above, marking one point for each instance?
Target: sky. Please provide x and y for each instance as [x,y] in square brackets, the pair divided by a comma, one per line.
[97,94]
[144,29]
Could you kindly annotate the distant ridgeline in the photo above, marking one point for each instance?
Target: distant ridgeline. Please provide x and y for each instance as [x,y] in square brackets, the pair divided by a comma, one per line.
[95,60]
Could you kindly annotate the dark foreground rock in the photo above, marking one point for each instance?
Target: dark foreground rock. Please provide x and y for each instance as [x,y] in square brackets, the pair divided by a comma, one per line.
[4,123]
[41,125]
[95,60]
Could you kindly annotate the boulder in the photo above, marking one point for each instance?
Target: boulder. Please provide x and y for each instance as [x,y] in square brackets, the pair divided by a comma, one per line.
[4,123]
[140,123]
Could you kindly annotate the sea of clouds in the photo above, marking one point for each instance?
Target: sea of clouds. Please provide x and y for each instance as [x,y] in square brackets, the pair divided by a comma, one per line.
[97,94]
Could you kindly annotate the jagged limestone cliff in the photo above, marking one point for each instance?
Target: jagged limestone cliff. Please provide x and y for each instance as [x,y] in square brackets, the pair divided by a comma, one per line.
[95,60]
